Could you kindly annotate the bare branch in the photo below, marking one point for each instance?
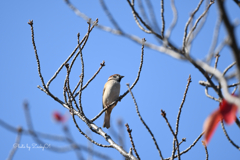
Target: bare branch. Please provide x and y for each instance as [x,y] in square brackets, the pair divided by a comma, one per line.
[154,140]
[231,34]
[74,51]
[36,54]
[136,16]
[190,147]
[205,146]
[183,100]
[131,139]
[98,144]
[110,17]
[214,40]
[174,21]
[152,16]
[188,22]
[226,134]
[229,67]
[222,81]
[209,96]
[162,16]
[163,113]
[196,23]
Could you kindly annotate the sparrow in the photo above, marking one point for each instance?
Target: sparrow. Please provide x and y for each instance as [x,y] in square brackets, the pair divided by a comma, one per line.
[111,92]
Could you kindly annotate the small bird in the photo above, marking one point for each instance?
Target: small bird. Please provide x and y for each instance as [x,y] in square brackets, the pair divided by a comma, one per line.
[111,92]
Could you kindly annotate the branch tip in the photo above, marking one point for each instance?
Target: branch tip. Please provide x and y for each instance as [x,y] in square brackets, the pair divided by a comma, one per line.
[19,129]
[30,22]
[163,113]
[103,63]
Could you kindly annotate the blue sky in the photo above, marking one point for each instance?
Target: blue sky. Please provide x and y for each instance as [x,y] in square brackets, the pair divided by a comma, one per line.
[161,85]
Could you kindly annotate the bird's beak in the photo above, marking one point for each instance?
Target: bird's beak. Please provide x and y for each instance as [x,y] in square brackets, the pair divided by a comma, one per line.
[121,77]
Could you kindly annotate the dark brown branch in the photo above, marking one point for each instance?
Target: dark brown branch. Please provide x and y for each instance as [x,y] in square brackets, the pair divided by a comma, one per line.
[164,115]
[178,117]
[231,34]
[205,147]
[162,15]
[131,139]
[138,17]
[190,147]
[36,54]
[183,100]
[143,122]
[229,139]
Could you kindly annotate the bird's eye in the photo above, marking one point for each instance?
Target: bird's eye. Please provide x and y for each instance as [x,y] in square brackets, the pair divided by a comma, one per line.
[114,76]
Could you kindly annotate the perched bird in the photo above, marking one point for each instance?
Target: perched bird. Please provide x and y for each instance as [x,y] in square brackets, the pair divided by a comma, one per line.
[111,92]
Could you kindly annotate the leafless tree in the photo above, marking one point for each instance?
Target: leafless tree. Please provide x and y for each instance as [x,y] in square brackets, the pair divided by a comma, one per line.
[72,96]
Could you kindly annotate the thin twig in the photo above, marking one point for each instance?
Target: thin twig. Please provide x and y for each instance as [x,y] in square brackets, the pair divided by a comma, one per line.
[190,147]
[178,116]
[205,146]
[229,67]
[199,27]
[131,139]
[154,140]
[162,16]
[95,74]
[216,62]
[226,134]
[214,40]
[188,22]
[109,15]
[209,96]
[196,23]
[164,115]
[174,21]
[183,100]
[152,15]
[143,12]
[137,16]
[70,56]
[36,54]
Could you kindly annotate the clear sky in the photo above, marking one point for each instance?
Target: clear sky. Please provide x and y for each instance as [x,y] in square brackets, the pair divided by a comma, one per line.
[161,85]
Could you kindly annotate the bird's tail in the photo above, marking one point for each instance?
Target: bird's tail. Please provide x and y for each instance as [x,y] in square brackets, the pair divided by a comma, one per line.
[106,122]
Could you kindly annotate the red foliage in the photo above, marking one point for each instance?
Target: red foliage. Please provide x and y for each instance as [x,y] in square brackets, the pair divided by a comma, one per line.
[226,112]
[57,116]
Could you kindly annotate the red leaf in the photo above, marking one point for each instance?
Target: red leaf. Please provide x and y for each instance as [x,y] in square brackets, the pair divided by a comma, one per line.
[228,111]
[210,125]
[58,116]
